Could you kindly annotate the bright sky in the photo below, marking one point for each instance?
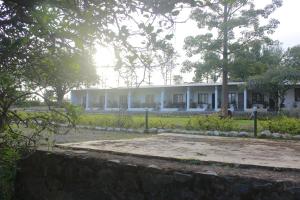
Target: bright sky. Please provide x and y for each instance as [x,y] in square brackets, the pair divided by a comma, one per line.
[288,33]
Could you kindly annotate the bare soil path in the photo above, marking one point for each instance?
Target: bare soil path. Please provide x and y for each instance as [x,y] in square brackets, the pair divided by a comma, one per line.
[236,151]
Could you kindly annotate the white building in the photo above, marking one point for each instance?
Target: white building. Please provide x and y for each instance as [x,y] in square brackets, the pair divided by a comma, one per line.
[196,97]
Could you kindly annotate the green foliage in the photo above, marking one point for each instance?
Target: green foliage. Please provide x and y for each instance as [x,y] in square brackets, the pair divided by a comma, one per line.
[8,168]
[211,122]
[123,121]
[63,71]
[292,57]
[16,143]
[229,27]
[282,125]
[73,112]
[232,33]
[276,82]
[274,123]
[255,59]
[47,45]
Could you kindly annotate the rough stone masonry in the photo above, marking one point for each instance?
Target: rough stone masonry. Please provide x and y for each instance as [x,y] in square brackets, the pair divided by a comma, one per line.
[87,175]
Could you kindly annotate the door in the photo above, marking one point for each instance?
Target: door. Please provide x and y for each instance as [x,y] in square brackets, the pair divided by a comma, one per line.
[241,101]
[213,97]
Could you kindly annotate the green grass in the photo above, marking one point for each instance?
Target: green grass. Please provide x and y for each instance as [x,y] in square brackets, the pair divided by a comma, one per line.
[170,122]
[247,125]
[280,124]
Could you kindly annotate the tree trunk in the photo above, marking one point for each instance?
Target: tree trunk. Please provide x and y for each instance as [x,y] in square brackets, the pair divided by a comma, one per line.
[3,117]
[2,123]
[59,97]
[224,110]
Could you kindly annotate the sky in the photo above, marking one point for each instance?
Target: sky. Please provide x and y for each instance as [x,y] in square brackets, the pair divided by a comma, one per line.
[288,33]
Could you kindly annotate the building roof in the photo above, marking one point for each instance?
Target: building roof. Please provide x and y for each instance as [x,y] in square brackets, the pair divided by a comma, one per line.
[163,86]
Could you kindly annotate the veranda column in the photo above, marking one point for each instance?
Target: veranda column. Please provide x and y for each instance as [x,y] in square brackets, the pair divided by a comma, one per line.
[188,98]
[105,100]
[216,98]
[129,100]
[87,103]
[245,99]
[72,97]
[162,99]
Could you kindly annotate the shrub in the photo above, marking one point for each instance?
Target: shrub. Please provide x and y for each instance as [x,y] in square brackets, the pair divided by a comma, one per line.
[282,125]
[213,122]
[122,120]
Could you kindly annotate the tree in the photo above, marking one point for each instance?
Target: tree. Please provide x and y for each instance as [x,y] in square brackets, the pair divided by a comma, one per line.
[255,59]
[292,57]
[276,82]
[178,79]
[230,26]
[61,72]
[29,32]
[153,51]
[207,70]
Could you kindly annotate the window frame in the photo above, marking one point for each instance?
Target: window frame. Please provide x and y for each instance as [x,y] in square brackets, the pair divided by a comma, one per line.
[204,97]
[149,97]
[177,97]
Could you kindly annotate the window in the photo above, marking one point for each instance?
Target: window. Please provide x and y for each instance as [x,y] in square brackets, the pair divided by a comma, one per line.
[123,100]
[257,98]
[101,100]
[232,98]
[202,98]
[149,99]
[178,98]
[297,94]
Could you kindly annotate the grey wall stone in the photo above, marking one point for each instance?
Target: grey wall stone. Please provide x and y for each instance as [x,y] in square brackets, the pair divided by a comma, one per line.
[58,176]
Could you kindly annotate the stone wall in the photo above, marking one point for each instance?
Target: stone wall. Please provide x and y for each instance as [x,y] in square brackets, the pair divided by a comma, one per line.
[67,176]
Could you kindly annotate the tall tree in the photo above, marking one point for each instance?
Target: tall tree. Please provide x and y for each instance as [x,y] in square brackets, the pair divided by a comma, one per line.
[177,79]
[61,72]
[255,59]
[292,57]
[230,25]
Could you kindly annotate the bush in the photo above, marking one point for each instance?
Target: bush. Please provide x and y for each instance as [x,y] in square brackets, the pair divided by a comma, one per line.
[8,159]
[213,122]
[122,120]
[279,124]
[282,125]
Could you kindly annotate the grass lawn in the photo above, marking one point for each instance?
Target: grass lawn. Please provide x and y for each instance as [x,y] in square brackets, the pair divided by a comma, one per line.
[280,124]
[247,124]
[165,121]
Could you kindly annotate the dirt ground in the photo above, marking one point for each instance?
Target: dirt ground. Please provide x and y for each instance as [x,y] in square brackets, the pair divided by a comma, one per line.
[233,151]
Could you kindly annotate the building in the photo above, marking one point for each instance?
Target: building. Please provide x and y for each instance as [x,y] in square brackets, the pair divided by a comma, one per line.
[195,97]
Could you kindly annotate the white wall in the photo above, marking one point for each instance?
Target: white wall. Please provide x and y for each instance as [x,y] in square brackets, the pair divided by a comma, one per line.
[290,99]
[140,95]
[170,92]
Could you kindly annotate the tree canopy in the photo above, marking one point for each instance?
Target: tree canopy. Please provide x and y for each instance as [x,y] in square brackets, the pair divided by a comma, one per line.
[42,41]
[230,25]
[276,82]
[292,57]
[255,59]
